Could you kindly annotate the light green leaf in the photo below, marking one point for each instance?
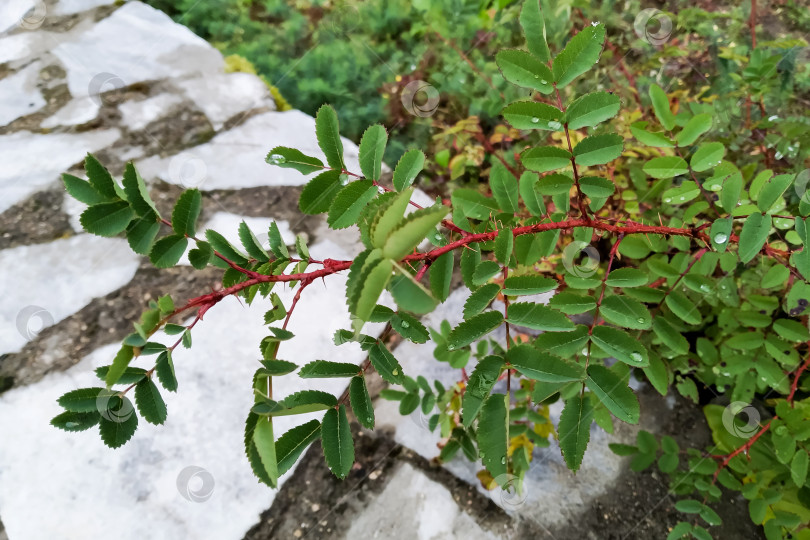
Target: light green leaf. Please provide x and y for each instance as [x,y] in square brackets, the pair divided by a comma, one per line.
[650,138]
[596,187]
[523,69]
[626,277]
[620,345]
[598,149]
[167,251]
[371,150]
[327,131]
[372,283]
[682,307]
[336,438]
[720,233]
[528,285]
[554,184]
[543,367]
[579,54]
[626,312]
[504,243]
[694,128]
[574,429]
[149,402]
[666,167]
[773,190]
[388,217]
[798,469]
[107,219]
[660,104]
[412,230]
[534,29]
[119,365]
[186,211]
[485,271]
[349,203]
[528,192]
[753,236]
[572,303]
[411,295]
[591,109]
[441,275]
[473,329]
[504,188]
[539,317]
[707,156]
[492,436]
[408,168]
[533,115]
[613,393]
[545,158]
[82,191]
[290,158]
[361,402]
[265,445]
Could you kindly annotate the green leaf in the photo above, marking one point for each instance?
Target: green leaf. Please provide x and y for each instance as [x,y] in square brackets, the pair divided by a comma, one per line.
[473,329]
[543,367]
[372,148]
[290,158]
[660,104]
[220,244]
[265,444]
[411,295]
[141,234]
[620,345]
[385,364]
[327,131]
[533,115]
[75,421]
[131,374]
[82,191]
[137,193]
[200,256]
[485,271]
[670,335]
[292,444]
[579,55]
[100,178]
[336,438]
[318,194]
[528,192]
[666,167]
[323,369]
[107,219]
[707,156]
[613,393]
[682,307]
[504,188]
[689,506]
[349,203]
[388,216]
[492,436]
[753,235]
[545,158]
[555,184]
[773,190]
[251,243]
[82,400]
[480,299]
[277,368]
[119,365]
[538,317]
[563,344]
[410,328]
[523,69]
[373,282]
[186,211]
[791,330]
[720,233]
[164,368]
[408,168]
[592,109]
[118,423]
[167,251]
[650,138]
[694,128]
[479,385]
[277,245]
[597,189]
[626,312]
[572,303]
[441,275]
[626,277]
[413,229]
[798,468]
[534,29]
[473,204]
[598,149]
[361,402]
[149,402]
[528,285]
[574,429]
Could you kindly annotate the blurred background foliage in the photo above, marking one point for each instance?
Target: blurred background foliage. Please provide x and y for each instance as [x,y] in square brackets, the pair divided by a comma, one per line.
[360,56]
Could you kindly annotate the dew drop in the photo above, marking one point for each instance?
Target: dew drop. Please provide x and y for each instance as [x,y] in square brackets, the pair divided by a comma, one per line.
[543,81]
[554,125]
[705,288]
[451,347]
[71,424]
[641,320]
[667,199]
[537,76]
[344,179]
[503,460]
[405,324]
[277,159]
[380,189]
[369,420]
[535,120]
[720,238]
[636,357]
[395,372]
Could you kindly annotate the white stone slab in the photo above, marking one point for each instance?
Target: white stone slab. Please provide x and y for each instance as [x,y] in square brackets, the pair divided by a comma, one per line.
[155,47]
[76,112]
[44,283]
[136,115]
[21,96]
[89,489]
[34,161]
[69,7]
[414,507]
[235,159]
[224,96]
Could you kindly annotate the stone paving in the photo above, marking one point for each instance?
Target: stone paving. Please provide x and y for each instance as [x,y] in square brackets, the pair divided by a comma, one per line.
[127,83]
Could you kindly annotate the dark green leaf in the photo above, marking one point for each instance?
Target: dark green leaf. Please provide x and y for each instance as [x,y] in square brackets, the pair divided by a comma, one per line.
[533,115]
[504,188]
[107,219]
[574,429]
[492,437]
[349,203]
[137,193]
[321,369]
[666,167]
[164,368]
[473,329]
[579,55]
[290,158]
[361,402]
[613,393]
[336,438]
[118,423]
[318,194]
[528,285]
[754,235]
[149,402]
[545,158]
[100,178]
[372,147]
[660,104]
[479,385]
[327,131]
[385,364]
[543,367]
[626,312]
[292,444]
[539,317]
[620,345]
[167,251]
[76,421]
[598,149]
[523,69]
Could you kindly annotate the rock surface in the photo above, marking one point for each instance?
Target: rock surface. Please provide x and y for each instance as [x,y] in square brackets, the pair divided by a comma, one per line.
[160,97]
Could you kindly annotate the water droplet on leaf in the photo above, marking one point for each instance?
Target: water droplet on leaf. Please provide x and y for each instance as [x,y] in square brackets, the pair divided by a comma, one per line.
[535,120]
[636,357]
[720,238]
